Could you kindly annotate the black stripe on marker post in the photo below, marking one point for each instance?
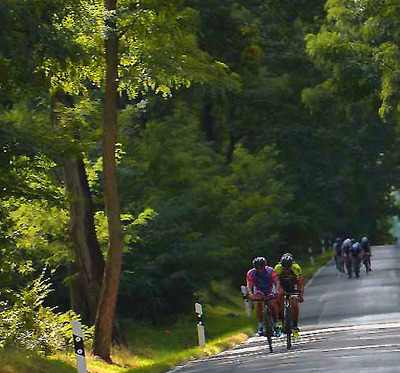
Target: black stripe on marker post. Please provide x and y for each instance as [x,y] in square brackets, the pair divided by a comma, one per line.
[78,345]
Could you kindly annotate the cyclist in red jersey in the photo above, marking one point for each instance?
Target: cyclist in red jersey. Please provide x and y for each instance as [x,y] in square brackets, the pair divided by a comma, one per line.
[262,281]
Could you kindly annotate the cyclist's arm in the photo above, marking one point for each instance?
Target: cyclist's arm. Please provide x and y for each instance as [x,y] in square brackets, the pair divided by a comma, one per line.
[249,285]
[300,279]
[276,282]
[278,271]
[300,284]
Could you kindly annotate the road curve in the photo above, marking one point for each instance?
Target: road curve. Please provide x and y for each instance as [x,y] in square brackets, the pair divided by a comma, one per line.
[348,325]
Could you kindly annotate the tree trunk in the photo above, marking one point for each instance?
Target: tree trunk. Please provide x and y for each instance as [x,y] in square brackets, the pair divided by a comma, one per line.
[231,147]
[89,259]
[89,262]
[108,297]
[208,122]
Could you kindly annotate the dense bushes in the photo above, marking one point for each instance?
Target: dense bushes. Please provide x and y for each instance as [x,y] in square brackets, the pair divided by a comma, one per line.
[212,217]
[259,153]
[26,323]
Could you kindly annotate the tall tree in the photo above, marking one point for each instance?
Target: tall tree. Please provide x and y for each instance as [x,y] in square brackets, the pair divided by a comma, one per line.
[89,262]
[155,49]
[357,48]
[87,269]
[108,296]
[46,48]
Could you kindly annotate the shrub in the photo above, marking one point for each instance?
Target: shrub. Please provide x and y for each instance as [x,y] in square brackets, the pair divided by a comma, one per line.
[25,323]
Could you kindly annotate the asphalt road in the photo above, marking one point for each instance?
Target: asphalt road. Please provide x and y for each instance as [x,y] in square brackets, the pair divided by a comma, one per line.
[348,325]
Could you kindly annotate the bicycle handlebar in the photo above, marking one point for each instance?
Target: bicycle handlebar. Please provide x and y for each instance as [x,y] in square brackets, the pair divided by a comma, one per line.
[269,297]
[292,294]
[264,298]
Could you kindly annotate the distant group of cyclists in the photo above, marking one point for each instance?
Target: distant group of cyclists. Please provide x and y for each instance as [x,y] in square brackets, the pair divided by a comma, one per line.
[269,284]
[265,282]
[350,254]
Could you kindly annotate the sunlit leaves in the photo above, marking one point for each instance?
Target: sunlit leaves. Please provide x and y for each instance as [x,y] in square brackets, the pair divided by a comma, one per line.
[39,229]
[130,225]
[365,35]
[158,48]
[26,323]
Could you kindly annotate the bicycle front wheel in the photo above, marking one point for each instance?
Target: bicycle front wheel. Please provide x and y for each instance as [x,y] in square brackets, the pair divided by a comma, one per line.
[288,327]
[268,327]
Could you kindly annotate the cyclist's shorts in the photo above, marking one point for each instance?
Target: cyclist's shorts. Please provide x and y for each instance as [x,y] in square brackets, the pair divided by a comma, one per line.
[290,287]
[260,295]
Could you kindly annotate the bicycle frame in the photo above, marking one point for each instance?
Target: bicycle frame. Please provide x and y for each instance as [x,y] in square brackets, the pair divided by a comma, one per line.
[267,320]
[340,261]
[288,319]
[367,261]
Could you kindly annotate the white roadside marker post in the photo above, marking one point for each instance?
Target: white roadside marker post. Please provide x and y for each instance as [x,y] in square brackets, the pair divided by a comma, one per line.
[78,346]
[200,324]
[323,246]
[247,304]
[311,256]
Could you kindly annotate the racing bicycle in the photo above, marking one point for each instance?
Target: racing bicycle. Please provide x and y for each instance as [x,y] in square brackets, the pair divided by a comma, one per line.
[288,317]
[267,320]
[367,261]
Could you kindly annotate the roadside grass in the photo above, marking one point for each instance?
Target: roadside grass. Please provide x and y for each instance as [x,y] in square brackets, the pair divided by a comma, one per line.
[13,361]
[158,348]
[155,349]
[319,261]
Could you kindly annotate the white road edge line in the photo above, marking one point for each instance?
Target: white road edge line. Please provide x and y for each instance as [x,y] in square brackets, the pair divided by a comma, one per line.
[310,281]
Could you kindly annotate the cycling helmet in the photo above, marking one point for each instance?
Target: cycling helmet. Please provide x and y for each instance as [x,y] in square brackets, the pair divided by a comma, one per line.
[287,260]
[356,246]
[353,241]
[364,239]
[259,262]
[347,242]
[338,240]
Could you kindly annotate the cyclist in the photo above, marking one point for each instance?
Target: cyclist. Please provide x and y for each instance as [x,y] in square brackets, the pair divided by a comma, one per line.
[290,279]
[263,281]
[346,248]
[339,254]
[356,258]
[366,253]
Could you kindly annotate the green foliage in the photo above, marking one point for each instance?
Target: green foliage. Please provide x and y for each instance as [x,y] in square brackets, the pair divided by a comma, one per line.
[211,217]
[14,361]
[25,170]
[131,227]
[360,41]
[357,47]
[39,229]
[246,128]
[157,49]
[26,323]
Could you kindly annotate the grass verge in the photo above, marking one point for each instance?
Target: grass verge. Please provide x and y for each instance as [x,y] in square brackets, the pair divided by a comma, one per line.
[156,349]
[22,362]
[309,269]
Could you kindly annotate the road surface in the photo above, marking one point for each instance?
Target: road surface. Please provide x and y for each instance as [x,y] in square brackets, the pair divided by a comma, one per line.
[348,325]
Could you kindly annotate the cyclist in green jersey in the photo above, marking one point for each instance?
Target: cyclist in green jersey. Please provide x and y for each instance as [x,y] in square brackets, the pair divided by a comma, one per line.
[289,274]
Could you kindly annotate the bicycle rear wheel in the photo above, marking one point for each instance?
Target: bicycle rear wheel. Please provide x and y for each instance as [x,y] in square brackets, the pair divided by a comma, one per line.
[341,265]
[367,263]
